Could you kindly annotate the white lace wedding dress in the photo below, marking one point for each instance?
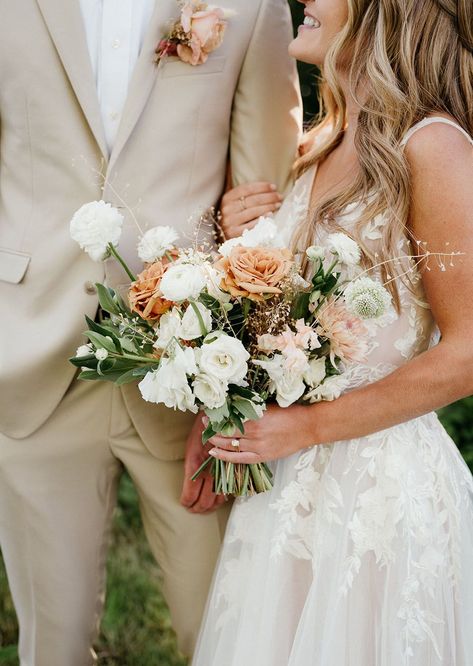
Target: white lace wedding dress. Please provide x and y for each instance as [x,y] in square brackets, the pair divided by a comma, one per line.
[362,554]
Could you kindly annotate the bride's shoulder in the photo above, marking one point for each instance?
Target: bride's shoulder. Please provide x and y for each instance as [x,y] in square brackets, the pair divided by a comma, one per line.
[438,142]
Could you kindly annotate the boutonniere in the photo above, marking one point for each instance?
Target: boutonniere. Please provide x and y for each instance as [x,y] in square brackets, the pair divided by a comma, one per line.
[198,31]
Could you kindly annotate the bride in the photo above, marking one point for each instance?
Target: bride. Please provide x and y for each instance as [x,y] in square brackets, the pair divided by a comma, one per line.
[362,553]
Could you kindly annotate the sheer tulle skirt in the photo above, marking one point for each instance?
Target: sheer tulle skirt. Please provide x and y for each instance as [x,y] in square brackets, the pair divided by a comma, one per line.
[362,555]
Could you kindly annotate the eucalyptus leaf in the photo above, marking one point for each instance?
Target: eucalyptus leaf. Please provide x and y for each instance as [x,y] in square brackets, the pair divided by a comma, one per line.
[246,408]
[101,341]
[106,299]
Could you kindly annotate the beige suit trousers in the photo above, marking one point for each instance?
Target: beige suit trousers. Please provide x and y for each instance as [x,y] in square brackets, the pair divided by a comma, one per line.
[58,493]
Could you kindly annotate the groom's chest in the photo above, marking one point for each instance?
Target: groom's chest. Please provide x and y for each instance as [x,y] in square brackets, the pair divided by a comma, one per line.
[35,72]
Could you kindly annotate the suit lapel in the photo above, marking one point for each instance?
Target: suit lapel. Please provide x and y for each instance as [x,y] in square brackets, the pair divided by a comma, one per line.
[65,25]
[144,74]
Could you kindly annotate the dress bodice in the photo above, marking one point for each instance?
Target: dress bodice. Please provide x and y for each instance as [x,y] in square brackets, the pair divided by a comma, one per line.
[397,336]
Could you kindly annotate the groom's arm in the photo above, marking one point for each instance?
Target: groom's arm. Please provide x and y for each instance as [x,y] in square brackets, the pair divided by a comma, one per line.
[267,111]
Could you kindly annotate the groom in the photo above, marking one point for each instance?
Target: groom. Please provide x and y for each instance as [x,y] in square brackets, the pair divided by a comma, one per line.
[86,114]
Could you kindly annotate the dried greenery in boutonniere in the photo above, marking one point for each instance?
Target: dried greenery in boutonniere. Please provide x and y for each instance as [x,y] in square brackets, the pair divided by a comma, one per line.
[198,31]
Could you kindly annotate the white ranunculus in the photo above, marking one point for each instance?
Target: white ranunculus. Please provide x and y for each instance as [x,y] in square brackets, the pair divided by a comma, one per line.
[316,372]
[285,381]
[225,358]
[330,389]
[169,384]
[348,251]
[169,327]
[101,354]
[210,390]
[182,282]
[156,242]
[315,252]
[366,298]
[264,234]
[190,324]
[96,225]
[84,350]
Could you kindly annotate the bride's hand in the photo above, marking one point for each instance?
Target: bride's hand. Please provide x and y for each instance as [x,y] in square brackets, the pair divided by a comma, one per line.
[278,434]
[243,205]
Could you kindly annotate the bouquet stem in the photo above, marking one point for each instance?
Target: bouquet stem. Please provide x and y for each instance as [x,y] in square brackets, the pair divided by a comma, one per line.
[238,480]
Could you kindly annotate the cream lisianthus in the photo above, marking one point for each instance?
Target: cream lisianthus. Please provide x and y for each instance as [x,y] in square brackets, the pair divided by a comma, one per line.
[286,375]
[169,327]
[169,384]
[191,324]
[330,389]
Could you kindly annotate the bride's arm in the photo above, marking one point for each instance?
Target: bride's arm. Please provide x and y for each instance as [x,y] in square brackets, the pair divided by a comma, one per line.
[441,163]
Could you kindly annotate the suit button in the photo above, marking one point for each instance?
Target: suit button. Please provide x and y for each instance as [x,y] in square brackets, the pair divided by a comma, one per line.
[90,288]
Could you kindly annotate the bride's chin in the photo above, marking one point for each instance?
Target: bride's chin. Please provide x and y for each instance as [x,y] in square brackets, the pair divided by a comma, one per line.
[304,52]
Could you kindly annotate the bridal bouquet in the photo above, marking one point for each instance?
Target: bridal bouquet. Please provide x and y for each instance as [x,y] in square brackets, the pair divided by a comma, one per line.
[227,332]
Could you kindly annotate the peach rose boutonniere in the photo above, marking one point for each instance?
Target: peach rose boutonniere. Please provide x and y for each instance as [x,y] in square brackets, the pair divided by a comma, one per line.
[255,273]
[198,32]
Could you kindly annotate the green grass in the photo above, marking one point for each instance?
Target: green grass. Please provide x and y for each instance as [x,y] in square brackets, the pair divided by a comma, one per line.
[136,629]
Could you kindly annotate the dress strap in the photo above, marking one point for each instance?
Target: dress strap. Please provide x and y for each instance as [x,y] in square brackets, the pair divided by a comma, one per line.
[430,121]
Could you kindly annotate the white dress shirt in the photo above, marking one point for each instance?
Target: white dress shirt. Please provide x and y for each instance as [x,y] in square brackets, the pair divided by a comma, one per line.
[115,30]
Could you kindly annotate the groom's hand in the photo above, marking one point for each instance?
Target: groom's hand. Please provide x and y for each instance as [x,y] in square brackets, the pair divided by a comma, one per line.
[197,496]
[242,206]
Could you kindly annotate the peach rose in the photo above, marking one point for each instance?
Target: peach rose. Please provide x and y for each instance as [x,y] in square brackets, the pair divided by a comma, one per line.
[145,295]
[206,28]
[254,272]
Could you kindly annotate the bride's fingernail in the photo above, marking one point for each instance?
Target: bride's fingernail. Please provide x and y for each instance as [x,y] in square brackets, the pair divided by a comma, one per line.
[274,187]
[213,452]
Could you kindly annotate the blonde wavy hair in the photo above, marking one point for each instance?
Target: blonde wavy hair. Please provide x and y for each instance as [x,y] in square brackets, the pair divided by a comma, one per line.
[411,58]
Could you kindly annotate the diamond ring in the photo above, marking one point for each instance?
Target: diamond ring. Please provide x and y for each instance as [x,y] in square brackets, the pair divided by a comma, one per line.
[235,443]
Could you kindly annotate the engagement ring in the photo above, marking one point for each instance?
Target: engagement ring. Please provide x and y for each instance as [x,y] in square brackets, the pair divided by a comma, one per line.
[235,443]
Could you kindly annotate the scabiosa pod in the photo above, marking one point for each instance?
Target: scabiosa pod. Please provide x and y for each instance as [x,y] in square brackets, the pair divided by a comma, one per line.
[366,298]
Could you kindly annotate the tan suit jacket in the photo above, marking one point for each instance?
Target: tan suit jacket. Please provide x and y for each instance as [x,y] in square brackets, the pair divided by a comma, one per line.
[178,127]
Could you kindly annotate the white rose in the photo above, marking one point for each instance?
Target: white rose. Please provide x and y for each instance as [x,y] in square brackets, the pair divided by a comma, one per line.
[225,358]
[156,242]
[316,372]
[101,354]
[95,226]
[182,282]
[168,328]
[264,234]
[84,350]
[210,390]
[190,324]
[330,389]
[347,250]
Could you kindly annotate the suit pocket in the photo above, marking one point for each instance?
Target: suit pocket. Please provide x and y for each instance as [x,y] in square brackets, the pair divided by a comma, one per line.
[13,265]
[175,67]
